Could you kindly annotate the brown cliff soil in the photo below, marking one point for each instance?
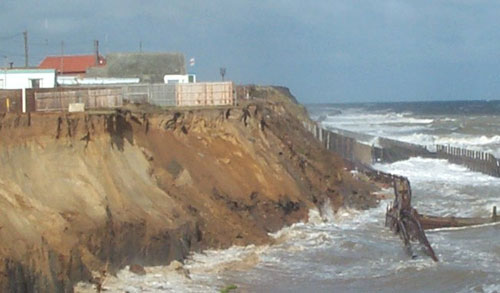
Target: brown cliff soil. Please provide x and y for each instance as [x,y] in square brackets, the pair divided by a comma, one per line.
[93,192]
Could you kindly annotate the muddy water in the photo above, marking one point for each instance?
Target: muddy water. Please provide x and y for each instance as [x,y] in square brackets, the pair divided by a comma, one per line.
[351,251]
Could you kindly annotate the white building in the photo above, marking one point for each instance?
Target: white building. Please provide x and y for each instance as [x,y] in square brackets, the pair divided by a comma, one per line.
[179,78]
[27,78]
[75,80]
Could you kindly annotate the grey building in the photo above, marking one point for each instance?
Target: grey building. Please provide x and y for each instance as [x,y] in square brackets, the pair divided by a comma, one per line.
[148,67]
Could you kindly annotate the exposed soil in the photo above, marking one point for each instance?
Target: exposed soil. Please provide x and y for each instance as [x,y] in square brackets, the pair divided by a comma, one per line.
[83,195]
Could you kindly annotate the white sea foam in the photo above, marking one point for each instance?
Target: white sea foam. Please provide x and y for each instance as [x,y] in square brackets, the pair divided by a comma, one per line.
[377,123]
[486,288]
[322,230]
[462,228]
[419,169]
[482,143]
[352,246]
[372,120]
[205,267]
[446,189]
[404,127]
[199,274]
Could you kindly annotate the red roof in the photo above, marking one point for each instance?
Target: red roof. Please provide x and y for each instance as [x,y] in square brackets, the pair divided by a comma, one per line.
[71,64]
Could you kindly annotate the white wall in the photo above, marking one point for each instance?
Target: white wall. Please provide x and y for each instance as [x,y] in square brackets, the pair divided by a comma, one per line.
[21,78]
[74,80]
[178,78]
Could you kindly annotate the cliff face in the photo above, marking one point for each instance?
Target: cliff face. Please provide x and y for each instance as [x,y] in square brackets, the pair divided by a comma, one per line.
[85,193]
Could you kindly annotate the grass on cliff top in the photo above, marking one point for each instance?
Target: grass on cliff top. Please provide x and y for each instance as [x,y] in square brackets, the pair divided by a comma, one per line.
[281,95]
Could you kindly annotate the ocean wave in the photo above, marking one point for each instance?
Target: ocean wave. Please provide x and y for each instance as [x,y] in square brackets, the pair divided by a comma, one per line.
[373,119]
[445,189]
[469,140]
[447,119]
[488,144]
[417,170]
[205,267]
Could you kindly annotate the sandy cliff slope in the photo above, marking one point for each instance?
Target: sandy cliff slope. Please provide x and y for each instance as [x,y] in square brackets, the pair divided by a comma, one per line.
[93,192]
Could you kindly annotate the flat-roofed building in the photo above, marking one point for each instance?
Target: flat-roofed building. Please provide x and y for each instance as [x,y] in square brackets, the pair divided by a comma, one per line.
[27,78]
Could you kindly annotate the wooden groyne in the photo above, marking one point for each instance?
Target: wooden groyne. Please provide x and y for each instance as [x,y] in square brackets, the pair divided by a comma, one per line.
[475,160]
[393,150]
[348,145]
[433,222]
[351,147]
[401,217]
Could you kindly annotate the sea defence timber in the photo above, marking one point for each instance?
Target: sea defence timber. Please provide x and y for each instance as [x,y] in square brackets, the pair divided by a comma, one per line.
[366,149]
[401,217]
[363,149]
[474,160]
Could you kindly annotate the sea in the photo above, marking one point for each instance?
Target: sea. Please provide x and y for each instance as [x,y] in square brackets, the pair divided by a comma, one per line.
[351,250]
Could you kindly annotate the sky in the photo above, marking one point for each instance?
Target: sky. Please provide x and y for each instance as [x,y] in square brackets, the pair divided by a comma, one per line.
[323,50]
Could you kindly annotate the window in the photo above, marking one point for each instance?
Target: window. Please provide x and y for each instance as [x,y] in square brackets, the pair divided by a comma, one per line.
[2,84]
[35,83]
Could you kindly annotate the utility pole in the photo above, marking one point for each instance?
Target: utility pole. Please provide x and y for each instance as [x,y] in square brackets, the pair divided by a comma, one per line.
[140,46]
[26,62]
[222,72]
[62,57]
[96,50]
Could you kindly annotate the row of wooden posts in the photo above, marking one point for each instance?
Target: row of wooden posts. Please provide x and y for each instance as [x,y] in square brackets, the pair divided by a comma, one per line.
[401,217]
[475,160]
[392,150]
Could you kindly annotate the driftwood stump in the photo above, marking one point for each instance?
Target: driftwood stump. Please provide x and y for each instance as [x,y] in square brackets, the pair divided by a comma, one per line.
[402,219]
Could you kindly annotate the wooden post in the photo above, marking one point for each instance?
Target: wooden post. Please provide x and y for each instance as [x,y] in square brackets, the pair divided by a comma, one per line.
[24,100]
[494,214]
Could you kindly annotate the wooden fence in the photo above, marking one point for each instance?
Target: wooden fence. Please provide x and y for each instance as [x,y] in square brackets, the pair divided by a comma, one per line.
[347,147]
[389,150]
[204,94]
[11,101]
[475,160]
[181,94]
[92,98]
[58,99]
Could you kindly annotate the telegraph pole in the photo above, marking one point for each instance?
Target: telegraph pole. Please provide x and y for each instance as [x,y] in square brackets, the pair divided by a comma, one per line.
[26,62]
[222,71]
[96,50]
[62,57]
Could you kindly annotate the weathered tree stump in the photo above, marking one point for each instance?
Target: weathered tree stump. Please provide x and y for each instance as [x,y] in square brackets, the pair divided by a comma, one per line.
[402,219]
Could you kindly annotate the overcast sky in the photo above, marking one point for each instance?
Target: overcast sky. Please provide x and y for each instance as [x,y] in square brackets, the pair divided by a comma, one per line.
[325,51]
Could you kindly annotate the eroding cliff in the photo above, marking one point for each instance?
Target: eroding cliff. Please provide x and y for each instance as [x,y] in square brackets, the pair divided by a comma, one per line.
[82,195]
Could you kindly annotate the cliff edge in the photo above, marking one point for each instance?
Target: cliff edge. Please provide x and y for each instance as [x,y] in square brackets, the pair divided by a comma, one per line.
[87,194]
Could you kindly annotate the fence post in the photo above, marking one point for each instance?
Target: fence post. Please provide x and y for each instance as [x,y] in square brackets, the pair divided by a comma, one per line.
[235,95]
[24,99]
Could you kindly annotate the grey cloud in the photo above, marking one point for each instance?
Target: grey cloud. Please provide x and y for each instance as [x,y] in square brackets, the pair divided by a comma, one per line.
[324,50]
